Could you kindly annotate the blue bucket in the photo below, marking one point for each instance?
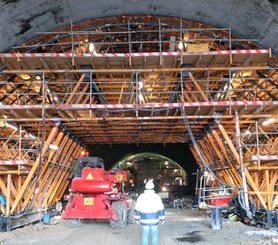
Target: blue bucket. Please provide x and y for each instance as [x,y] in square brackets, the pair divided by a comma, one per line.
[46,218]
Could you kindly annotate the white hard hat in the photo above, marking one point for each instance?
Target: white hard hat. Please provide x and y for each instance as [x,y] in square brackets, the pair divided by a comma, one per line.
[149,185]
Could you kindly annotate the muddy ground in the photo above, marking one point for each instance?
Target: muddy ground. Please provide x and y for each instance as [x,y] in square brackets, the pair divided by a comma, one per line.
[185,226]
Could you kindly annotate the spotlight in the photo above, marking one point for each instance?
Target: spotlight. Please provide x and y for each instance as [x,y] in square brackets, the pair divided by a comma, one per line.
[53,147]
[91,47]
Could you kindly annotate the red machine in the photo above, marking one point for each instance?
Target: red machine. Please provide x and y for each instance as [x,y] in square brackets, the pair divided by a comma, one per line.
[98,194]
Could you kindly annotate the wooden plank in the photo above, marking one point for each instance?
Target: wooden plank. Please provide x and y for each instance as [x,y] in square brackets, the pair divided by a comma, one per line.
[198,87]
[69,100]
[65,182]
[58,179]
[52,170]
[34,168]
[255,188]
[229,142]
[46,171]
[220,144]
[8,197]
[268,190]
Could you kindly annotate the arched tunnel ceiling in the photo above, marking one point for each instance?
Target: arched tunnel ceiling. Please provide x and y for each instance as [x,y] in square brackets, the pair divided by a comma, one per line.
[250,19]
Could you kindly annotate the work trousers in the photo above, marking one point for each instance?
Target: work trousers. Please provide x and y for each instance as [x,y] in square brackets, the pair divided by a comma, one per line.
[145,234]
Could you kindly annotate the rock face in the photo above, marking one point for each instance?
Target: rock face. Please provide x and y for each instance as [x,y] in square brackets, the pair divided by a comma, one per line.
[256,19]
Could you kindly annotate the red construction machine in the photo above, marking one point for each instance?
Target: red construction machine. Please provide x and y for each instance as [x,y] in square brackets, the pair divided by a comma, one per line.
[98,194]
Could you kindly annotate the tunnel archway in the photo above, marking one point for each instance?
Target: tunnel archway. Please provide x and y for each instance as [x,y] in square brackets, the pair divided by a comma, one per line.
[177,153]
[167,174]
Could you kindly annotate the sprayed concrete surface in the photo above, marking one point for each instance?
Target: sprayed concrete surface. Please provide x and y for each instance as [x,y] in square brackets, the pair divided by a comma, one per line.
[181,227]
[22,20]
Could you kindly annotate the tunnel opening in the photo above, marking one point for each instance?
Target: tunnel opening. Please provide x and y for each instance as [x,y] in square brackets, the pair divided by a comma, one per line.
[167,175]
[178,154]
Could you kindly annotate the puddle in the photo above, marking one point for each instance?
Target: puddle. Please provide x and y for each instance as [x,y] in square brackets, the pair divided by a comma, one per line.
[191,237]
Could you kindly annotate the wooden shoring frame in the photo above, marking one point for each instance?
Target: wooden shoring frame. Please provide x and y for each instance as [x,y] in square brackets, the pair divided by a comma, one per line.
[17,187]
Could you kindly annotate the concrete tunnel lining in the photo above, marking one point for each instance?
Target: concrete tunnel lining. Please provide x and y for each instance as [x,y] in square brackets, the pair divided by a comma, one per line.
[241,16]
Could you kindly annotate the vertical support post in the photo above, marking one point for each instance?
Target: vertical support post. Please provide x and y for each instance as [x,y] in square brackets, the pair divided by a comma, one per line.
[19,149]
[268,189]
[269,219]
[72,45]
[160,47]
[181,81]
[19,145]
[242,168]
[137,91]
[43,132]
[258,145]
[230,45]
[181,33]
[8,201]
[129,43]
[90,92]
[19,182]
[229,92]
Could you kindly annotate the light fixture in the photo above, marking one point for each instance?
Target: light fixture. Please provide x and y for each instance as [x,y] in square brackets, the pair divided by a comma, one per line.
[32,136]
[38,77]
[180,46]
[248,132]
[129,163]
[2,124]
[25,77]
[53,147]
[266,122]
[91,47]
[11,126]
[163,188]
[141,84]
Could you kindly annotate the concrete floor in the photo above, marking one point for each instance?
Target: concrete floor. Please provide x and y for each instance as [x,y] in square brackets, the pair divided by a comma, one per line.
[181,227]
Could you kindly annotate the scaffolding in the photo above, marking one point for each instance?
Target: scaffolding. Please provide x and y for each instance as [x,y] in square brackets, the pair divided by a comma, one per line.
[124,81]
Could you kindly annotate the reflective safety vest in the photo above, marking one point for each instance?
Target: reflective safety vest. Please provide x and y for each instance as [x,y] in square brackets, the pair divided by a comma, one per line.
[149,208]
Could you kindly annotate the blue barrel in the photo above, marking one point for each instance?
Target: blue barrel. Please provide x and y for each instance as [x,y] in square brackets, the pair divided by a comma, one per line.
[46,218]
[2,200]
[216,217]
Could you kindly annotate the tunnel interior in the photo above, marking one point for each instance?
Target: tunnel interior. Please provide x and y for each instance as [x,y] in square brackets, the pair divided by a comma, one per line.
[126,86]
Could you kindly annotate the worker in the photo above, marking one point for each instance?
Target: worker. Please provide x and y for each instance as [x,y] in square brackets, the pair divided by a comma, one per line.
[149,210]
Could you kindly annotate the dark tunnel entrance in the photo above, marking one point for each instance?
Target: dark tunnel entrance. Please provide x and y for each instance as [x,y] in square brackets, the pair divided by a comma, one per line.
[176,153]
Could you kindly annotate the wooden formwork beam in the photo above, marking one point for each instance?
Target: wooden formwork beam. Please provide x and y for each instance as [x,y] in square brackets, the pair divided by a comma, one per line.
[46,171]
[237,178]
[268,189]
[62,172]
[198,87]
[8,197]
[34,169]
[54,170]
[236,155]
[64,181]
